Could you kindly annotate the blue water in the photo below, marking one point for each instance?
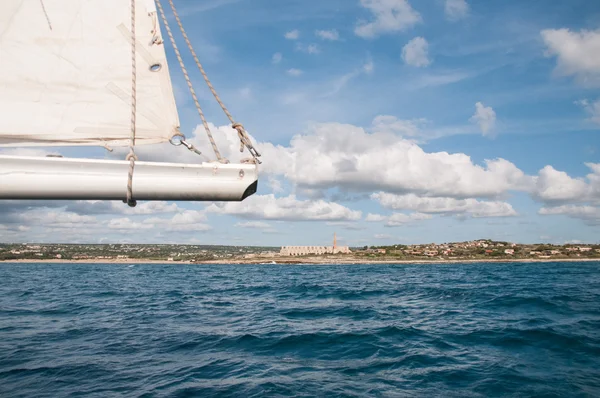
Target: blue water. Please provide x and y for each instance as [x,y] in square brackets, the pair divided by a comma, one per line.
[473,330]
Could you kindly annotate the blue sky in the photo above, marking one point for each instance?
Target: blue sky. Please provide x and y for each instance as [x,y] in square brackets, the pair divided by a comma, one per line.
[376,119]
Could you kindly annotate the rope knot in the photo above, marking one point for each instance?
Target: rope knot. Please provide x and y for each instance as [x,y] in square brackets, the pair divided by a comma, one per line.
[245,141]
[131,156]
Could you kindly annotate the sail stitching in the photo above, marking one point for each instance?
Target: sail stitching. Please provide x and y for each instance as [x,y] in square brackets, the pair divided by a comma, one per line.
[243,136]
[189,84]
[131,157]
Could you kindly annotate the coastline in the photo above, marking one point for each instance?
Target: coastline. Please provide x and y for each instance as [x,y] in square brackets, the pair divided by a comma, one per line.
[303,261]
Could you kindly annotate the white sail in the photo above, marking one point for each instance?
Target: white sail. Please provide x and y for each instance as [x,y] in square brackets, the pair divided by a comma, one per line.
[65,74]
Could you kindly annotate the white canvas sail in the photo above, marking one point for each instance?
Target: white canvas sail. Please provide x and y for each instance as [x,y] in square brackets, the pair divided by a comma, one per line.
[65,79]
[65,74]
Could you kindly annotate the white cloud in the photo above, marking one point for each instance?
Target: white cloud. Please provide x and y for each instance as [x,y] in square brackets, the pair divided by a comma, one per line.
[332,34]
[456,9]
[118,207]
[125,224]
[553,186]
[473,207]
[485,117]
[404,128]
[415,53]
[383,236]
[313,49]
[345,156]
[292,34]
[275,184]
[577,53]
[389,16]
[294,72]
[277,57]
[397,219]
[56,219]
[288,208]
[375,217]
[338,84]
[589,214]
[187,220]
[593,108]
[309,49]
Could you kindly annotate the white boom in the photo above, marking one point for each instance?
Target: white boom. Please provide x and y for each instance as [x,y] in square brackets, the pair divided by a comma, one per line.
[53,178]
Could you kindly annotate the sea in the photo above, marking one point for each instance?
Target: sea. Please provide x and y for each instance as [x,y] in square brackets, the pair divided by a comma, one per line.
[406,330]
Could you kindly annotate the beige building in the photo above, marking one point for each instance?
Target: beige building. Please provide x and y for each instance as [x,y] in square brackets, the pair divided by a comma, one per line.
[306,250]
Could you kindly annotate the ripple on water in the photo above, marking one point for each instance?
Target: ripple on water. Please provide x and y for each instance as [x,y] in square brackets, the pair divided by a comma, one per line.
[457,330]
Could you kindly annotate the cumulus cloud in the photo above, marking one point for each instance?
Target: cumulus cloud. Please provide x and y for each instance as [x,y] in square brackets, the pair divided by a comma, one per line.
[118,207]
[589,214]
[415,53]
[473,207]
[485,117]
[577,53]
[556,187]
[187,220]
[456,9]
[397,219]
[292,34]
[126,224]
[331,35]
[573,197]
[348,157]
[289,208]
[389,16]
[56,219]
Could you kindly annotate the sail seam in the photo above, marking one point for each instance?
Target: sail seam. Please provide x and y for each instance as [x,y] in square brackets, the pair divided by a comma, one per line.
[46,14]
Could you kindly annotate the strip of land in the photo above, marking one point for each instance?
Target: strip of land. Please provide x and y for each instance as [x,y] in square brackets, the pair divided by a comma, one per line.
[479,251]
[307,261]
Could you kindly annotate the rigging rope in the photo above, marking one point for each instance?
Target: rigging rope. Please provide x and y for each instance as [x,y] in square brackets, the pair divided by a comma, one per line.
[189,83]
[243,136]
[131,155]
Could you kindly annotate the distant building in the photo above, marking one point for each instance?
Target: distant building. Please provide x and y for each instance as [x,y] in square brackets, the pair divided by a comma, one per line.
[509,251]
[306,250]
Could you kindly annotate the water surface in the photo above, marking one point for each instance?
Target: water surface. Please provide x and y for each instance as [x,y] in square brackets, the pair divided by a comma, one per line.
[151,330]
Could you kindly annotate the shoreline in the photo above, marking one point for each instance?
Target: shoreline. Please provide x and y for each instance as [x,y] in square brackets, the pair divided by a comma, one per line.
[304,261]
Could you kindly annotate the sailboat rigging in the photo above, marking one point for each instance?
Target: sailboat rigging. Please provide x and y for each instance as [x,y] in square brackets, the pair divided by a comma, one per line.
[95,73]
